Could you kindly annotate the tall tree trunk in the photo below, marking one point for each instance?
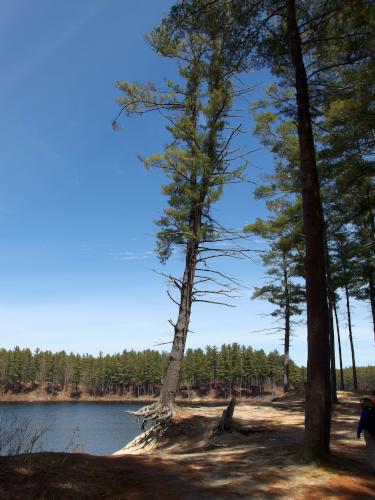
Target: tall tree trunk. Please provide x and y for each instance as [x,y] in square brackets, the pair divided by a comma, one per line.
[371,287]
[318,392]
[332,350]
[172,377]
[171,380]
[330,317]
[342,387]
[214,82]
[355,384]
[287,333]
[370,266]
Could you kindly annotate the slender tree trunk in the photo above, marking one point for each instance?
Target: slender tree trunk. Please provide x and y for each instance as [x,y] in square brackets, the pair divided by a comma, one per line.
[332,351]
[371,287]
[287,333]
[171,380]
[370,269]
[355,384]
[330,316]
[370,265]
[318,392]
[342,387]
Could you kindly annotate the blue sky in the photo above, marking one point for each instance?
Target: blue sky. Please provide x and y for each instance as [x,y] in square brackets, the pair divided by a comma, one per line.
[76,206]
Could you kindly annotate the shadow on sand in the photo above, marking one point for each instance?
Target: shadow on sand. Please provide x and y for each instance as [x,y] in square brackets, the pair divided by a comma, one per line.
[260,458]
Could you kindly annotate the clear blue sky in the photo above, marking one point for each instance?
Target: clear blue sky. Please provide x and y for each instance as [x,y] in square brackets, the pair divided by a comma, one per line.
[77,208]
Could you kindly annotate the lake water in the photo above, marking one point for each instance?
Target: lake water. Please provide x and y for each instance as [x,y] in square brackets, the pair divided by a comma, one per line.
[96,428]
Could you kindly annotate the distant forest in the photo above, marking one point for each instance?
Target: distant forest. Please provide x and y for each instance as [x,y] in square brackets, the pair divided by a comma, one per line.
[232,369]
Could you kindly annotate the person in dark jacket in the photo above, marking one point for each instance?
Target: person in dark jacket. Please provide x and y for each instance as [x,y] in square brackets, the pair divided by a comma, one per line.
[366,424]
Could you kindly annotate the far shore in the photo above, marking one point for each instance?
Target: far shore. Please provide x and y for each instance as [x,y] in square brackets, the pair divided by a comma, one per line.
[65,398]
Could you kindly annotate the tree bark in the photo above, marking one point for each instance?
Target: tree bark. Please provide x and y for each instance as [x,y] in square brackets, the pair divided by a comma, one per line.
[342,387]
[355,383]
[318,392]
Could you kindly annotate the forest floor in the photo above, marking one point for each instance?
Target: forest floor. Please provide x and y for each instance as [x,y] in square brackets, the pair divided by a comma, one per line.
[261,458]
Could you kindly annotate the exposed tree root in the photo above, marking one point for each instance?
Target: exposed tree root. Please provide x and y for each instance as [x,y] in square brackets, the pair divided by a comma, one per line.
[155,412]
[140,442]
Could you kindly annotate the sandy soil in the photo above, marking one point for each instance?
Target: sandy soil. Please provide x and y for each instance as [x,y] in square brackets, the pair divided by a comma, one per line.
[64,397]
[261,459]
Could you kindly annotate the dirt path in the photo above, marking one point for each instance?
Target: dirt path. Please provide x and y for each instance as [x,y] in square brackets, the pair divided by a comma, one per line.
[261,459]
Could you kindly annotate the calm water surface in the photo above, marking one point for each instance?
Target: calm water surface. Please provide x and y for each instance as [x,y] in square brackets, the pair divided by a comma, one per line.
[99,428]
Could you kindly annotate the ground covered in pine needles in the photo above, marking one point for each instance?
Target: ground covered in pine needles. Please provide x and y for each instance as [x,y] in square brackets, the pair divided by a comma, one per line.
[260,458]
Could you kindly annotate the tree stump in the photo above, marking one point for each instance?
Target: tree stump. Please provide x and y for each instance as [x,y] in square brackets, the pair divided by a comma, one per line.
[226,419]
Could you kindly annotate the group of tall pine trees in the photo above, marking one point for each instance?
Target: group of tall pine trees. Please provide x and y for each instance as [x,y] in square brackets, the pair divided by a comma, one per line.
[320,127]
[213,372]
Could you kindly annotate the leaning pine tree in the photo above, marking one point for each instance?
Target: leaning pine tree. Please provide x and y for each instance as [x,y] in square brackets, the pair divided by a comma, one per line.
[198,164]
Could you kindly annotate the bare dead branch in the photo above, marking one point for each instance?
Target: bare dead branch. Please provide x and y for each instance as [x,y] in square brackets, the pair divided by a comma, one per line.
[214,302]
[172,299]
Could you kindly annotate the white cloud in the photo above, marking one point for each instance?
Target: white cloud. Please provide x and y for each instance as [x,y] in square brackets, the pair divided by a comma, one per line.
[131,255]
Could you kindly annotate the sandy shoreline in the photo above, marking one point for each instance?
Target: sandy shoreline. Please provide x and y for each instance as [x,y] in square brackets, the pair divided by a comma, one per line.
[25,398]
[40,396]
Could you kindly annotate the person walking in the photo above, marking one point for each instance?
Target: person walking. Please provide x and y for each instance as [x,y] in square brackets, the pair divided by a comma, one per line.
[367,425]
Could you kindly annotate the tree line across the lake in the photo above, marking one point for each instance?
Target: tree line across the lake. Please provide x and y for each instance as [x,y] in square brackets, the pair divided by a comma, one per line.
[222,372]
